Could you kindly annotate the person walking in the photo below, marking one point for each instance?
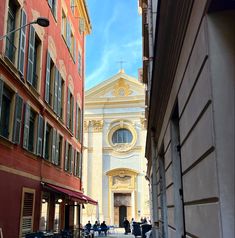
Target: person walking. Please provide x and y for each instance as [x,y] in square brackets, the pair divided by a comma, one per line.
[126,225]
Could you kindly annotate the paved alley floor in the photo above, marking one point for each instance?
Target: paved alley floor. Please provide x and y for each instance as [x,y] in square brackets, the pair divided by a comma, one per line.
[116,232]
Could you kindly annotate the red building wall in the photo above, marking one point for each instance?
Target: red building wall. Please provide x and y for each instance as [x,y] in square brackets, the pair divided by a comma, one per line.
[18,167]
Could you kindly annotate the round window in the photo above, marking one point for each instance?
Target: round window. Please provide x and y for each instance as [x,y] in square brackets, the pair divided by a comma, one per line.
[122,136]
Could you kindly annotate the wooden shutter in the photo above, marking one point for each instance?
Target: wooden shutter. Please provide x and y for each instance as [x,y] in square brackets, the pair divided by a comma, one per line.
[72,113]
[21,55]
[74,49]
[66,156]
[40,135]
[1,92]
[77,129]
[48,72]
[80,124]
[53,145]
[57,149]
[59,95]
[50,3]
[80,165]
[27,213]
[44,140]
[30,69]
[68,109]
[75,164]
[17,119]
[72,160]
[26,126]
[56,90]
[68,34]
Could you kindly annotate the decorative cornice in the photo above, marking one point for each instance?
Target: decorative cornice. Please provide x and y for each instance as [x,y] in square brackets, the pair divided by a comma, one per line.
[97,125]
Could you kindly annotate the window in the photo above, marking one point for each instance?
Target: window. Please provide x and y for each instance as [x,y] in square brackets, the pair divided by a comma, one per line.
[72,6]
[78,123]
[11,25]
[122,136]
[81,23]
[6,104]
[73,46]
[79,63]
[16,40]
[32,125]
[31,130]
[48,142]
[63,25]
[52,5]
[69,157]
[7,100]
[44,217]
[77,165]
[59,141]
[70,110]
[27,211]
[57,216]
[52,144]
[54,87]
[34,58]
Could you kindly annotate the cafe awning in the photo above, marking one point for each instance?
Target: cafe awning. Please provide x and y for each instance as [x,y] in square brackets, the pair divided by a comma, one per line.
[74,195]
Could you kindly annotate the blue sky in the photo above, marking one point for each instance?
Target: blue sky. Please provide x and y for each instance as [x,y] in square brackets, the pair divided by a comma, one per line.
[116,35]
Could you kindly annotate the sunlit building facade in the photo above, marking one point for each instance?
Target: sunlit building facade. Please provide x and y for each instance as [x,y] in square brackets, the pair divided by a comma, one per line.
[114,165]
[41,107]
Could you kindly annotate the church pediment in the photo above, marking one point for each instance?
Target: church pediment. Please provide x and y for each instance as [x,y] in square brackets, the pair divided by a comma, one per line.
[119,87]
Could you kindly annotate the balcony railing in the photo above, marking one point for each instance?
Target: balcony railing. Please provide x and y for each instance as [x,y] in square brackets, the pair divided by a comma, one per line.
[10,50]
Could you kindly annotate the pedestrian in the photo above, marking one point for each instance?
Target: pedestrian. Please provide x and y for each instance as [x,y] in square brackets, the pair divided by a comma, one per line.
[126,225]
[131,224]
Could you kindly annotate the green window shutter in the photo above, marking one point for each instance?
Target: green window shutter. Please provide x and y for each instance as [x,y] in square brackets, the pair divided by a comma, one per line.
[80,124]
[48,72]
[66,156]
[21,54]
[59,96]
[68,109]
[44,140]
[40,135]
[56,91]
[50,3]
[76,130]
[75,164]
[1,92]
[74,50]
[26,126]
[30,71]
[80,165]
[57,148]
[17,119]
[53,145]
[72,161]
[72,114]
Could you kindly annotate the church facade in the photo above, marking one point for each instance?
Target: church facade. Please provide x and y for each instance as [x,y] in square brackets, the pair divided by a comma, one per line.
[114,162]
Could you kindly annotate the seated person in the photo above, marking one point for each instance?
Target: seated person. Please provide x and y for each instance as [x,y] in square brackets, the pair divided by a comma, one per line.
[104,228]
[88,226]
[96,226]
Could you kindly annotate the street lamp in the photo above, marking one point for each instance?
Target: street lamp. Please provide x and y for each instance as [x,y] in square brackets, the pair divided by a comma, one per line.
[41,21]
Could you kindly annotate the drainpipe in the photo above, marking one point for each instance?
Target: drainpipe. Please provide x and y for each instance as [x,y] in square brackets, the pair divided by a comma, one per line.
[155,223]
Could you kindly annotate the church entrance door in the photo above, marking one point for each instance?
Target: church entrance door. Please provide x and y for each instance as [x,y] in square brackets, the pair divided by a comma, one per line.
[122,214]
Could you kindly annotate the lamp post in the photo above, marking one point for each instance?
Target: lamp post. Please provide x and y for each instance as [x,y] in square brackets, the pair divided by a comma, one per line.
[41,21]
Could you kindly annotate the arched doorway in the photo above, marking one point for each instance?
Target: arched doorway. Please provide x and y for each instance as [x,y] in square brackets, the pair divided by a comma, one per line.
[122,214]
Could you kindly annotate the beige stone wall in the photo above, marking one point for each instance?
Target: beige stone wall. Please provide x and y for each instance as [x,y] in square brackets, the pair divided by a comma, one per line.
[205,100]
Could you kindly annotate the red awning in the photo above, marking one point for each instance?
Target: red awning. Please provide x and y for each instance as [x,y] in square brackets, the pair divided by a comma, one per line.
[73,194]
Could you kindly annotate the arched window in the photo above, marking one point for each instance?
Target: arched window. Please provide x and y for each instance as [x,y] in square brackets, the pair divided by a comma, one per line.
[122,136]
